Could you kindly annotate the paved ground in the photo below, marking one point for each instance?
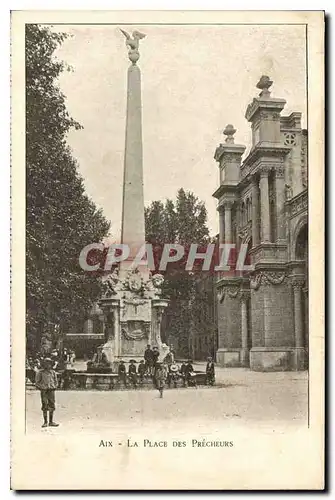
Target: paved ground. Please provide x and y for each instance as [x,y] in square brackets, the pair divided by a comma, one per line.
[243,398]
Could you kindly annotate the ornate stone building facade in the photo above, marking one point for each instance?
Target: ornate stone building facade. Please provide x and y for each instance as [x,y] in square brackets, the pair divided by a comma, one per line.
[263,202]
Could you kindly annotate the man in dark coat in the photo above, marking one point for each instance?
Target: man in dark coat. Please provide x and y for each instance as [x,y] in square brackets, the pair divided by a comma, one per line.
[183,372]
[148,358]
[210,372]
[141,370]
[155,356]
[122,373]
[132,373]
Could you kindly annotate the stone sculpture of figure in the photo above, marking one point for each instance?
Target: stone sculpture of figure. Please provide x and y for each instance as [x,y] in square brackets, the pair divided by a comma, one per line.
[288,192]
[154,285]
[157,280]
[110,285]
[133,44]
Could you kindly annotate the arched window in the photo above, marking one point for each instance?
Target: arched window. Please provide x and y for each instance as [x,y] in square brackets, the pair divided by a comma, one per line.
[301,245]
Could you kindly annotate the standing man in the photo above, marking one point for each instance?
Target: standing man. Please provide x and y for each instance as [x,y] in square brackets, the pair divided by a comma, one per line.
[160,375]
[155,356]
[132,373]
[122,373]
[210,372]
[46,382]
[148,358]
[141,370]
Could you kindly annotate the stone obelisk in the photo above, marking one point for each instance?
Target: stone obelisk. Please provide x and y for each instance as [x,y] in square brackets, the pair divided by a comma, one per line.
[132,303]
[133,229]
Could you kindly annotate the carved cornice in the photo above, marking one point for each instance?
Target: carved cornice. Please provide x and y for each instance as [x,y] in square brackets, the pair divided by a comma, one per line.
[233,290]
[264,104]
[297,281]
[273,278]
[230,189]
[229,153]
[271,149]
[267,278]
[134,301]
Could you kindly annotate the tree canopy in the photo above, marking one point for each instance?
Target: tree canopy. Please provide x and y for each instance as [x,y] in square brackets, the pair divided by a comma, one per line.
[182,221]
[60,218]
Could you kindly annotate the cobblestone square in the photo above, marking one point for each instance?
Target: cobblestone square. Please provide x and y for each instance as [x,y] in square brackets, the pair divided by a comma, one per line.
[242,397]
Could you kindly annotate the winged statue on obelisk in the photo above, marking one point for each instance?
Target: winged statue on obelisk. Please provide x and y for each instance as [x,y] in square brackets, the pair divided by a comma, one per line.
[133,44]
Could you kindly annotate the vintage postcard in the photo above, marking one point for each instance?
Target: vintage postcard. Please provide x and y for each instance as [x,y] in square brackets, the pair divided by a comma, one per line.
[167,250]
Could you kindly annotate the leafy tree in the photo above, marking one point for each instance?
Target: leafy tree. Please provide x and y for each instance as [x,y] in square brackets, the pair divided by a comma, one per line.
[60,218]
[155,222]
[181,221]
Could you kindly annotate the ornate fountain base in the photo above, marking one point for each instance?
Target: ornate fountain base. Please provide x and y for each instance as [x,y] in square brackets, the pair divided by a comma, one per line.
[133,312]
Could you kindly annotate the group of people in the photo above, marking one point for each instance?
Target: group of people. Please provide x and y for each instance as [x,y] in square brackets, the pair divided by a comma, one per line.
[150,366]
[47,371]
[162,372]
[62,360]
[151,357]
[188,375]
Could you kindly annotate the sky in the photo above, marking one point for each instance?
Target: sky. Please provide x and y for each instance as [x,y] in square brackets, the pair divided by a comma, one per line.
[195,80]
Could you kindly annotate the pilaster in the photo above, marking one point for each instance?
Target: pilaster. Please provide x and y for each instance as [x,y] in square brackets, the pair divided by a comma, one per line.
[233,348]
[280,205]
[265,205]
[255,211]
